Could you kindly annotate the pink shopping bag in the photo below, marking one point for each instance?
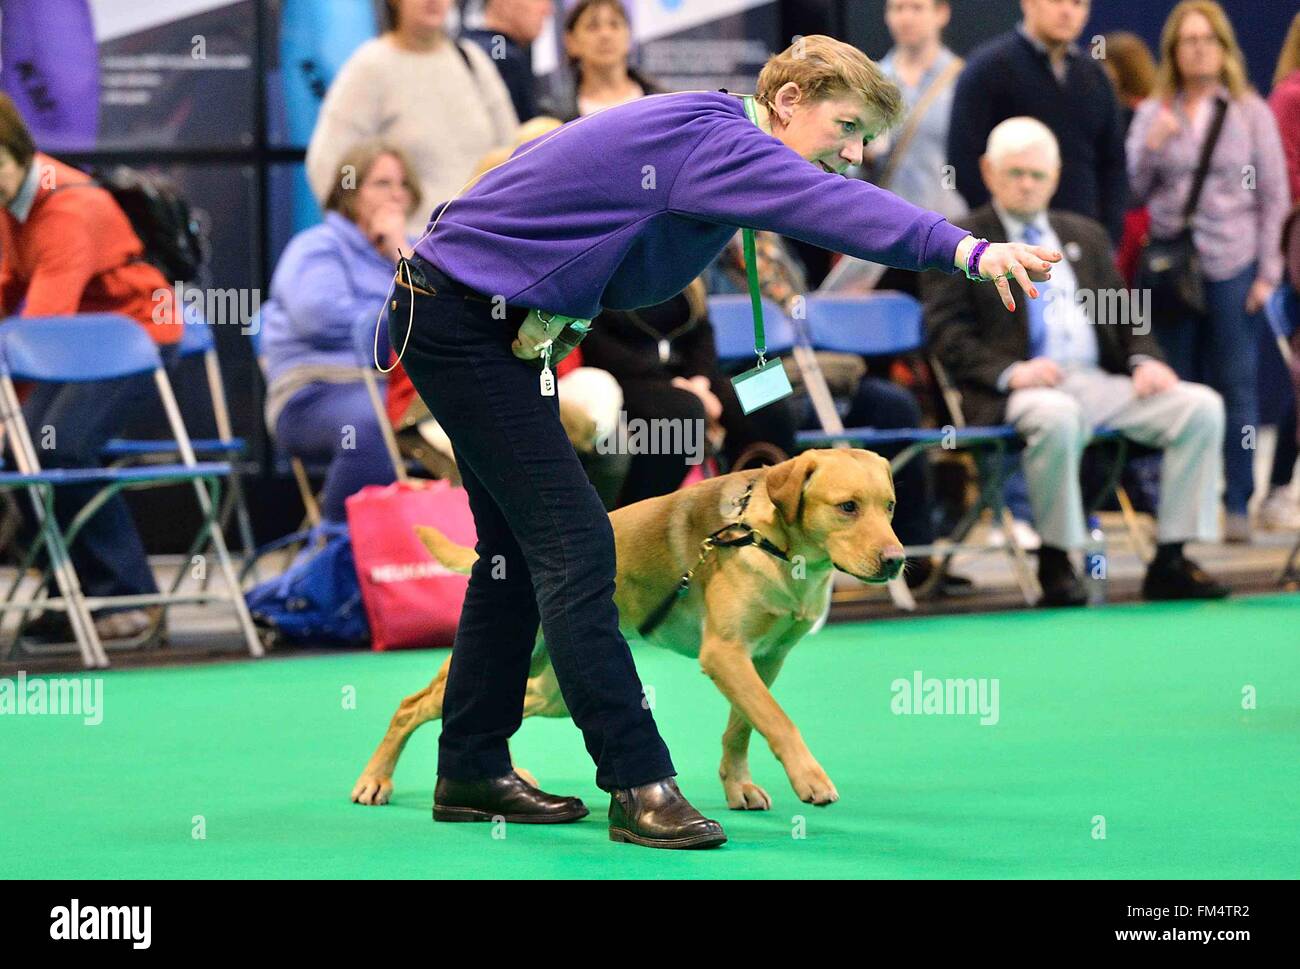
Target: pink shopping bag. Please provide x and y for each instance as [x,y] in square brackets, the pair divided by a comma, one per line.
[411,599]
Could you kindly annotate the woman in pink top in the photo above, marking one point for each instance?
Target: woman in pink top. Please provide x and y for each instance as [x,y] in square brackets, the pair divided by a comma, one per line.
[1237,224]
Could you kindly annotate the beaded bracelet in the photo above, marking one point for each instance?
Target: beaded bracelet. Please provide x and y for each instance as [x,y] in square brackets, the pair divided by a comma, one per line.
[973,260]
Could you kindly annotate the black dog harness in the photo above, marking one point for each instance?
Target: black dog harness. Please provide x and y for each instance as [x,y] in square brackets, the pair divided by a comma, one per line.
[734,535]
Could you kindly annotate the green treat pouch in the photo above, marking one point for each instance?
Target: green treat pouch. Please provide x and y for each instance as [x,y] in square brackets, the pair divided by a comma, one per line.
[761,386]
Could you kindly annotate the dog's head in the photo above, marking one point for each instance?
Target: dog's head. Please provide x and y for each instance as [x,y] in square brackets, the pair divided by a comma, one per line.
[840,500]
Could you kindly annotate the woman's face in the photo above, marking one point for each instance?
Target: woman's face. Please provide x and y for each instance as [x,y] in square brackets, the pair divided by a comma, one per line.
[1198,50]
[422,16]
[383,187]
[830,133]
[600,38]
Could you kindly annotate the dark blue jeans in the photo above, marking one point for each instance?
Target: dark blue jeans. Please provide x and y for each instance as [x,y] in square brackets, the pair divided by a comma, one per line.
[312,426]
[545,550]
[1220,349]
[75,420]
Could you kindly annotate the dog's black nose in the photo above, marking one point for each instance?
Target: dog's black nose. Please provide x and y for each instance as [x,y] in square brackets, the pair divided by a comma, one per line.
[892,560]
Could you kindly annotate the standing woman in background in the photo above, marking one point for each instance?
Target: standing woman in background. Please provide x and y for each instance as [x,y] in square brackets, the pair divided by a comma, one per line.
[1236,227]
[598,42]
[440,100]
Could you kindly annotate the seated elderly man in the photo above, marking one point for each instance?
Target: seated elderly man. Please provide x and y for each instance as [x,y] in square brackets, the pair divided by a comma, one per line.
[1063,364]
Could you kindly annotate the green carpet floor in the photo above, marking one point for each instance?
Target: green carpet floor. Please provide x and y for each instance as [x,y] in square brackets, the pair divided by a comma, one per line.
[1132,713]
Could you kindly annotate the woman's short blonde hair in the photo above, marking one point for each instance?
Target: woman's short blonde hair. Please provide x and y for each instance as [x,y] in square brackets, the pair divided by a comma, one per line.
[1169,81]
[354,167]
[826,68]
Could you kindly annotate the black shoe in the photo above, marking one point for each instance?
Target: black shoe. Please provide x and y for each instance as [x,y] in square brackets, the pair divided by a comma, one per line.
[1062,586]
[1180,578]
[111,626]
[49,627]
[657,815]
[509,798]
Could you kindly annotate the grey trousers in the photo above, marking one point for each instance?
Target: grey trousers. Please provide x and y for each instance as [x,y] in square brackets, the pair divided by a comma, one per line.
[1186,422]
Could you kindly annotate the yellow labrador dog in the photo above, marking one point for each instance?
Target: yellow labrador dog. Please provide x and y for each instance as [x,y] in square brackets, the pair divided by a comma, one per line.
[732,571]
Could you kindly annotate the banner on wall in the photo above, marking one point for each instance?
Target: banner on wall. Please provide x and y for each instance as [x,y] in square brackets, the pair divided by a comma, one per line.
[703,45]
[100,74]
[687,45]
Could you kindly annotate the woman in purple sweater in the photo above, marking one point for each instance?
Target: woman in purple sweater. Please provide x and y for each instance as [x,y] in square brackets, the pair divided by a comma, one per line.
[619,209]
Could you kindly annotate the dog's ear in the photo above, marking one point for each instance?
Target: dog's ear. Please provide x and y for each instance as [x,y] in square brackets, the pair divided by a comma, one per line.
[785,483]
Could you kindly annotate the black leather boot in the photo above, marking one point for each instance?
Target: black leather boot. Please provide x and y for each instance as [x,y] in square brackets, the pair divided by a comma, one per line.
[657,815]
[509,798]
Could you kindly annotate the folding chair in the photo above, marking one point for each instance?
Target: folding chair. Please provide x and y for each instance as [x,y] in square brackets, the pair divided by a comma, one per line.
[197,340]
[1283,313]
[732,317]
[54,350]
[302,471]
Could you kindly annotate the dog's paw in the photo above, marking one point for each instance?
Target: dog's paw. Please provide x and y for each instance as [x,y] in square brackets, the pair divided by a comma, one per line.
[814,787]
[372,789]
[747,796]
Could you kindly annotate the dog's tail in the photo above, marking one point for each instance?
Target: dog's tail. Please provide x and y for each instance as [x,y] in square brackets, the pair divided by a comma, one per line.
[458,558]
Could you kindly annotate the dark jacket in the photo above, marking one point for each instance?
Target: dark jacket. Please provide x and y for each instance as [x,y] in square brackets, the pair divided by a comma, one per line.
[976,339]
[514,62]
[626,343]
[1007,77]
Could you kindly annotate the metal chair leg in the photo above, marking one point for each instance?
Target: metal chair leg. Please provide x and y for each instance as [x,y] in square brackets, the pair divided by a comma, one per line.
[309,502]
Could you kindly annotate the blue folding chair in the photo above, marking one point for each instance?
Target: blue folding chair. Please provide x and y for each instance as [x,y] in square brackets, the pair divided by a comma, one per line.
[874,325]
[732,317]
[89,348]
[197,340]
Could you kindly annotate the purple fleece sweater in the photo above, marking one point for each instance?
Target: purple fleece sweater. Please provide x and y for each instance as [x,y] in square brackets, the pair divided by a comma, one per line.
[623,208]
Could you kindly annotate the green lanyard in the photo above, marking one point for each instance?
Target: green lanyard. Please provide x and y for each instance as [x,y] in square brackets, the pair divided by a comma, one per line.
[767,382]
[751,263]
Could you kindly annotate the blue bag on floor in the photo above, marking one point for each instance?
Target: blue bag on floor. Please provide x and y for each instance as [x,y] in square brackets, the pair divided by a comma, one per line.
[317,601]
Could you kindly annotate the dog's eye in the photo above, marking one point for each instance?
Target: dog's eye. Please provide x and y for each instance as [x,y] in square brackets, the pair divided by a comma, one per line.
[889,507]
[848,507]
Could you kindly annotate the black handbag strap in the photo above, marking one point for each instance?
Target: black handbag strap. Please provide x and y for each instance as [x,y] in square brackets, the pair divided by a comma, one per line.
[1203,166]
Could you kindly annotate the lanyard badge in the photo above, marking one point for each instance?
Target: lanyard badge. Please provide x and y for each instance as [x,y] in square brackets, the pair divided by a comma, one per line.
[767,382]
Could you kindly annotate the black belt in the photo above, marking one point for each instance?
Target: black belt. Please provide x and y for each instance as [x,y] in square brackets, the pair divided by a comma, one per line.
[437,281]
